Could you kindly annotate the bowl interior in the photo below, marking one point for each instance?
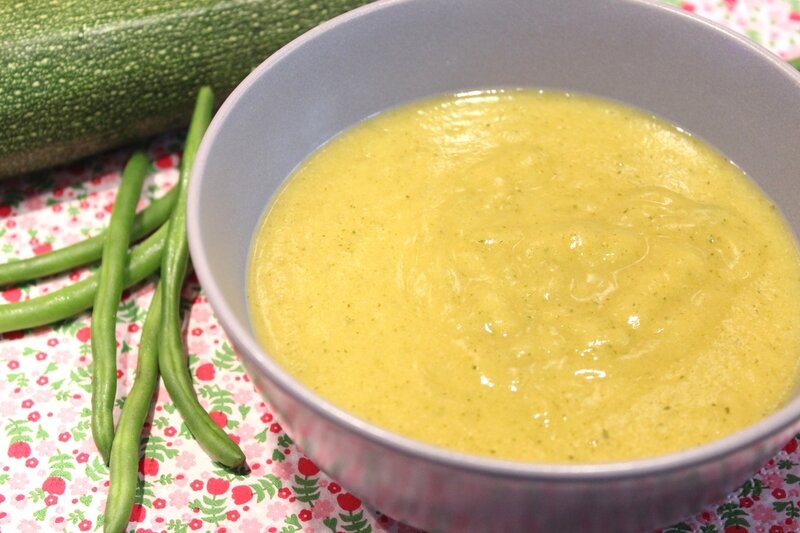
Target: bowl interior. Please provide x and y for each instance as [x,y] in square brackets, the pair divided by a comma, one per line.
[733,94]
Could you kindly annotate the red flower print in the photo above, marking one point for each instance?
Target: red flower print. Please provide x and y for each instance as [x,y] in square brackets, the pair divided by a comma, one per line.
[42,380]
[266,417]
[34,416]
[348,502]
[43,248]
[148,466]
[791,446]
[85,525]
[82,457]
[41,356]
[304,515]
[84,334]
[778,493]
[31,462]
[196,484]
[159,503]
[233,516]
[275,428]
[306,467]
[745,502]
[333,488]
[50,499]
[284,493]
[196,523]
[13,365]
[241,494]
[64,437]
[736,529]
[138,513]
[217,486]
[19,449]
[170,431]
[164,162]
[5,210]
[219,418]
[776,529]
[205,372]
[27,404]
[133,328]
[12,295]
[54,485]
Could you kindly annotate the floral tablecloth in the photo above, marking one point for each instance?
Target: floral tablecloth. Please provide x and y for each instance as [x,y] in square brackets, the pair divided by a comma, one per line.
[51,477]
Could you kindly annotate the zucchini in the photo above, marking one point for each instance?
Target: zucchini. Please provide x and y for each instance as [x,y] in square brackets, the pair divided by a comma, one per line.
[81,76]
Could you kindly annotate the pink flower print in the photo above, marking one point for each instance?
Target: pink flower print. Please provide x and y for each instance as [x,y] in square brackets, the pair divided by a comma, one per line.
[251,525]
[45,448]
[64,356]
[34,203]
[276,510]
[18,481]
[18,502]
[57,522]
[763,513]
[323,508]
[185,460]
[28,526]
[773,480]
[80,486]
[198,345]
[68,412]
[41,395]
[254,449]
[7,409]
[178,498]
[283,470]
[201,313]
[245,431]
[243,396]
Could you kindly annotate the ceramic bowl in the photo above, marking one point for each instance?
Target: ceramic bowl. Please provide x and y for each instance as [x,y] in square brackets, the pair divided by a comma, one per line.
[717,85]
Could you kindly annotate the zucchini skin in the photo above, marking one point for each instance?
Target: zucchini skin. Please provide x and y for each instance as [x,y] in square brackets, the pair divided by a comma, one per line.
[81,76]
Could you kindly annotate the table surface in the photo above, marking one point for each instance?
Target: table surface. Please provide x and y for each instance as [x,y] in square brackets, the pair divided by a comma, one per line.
[51,477]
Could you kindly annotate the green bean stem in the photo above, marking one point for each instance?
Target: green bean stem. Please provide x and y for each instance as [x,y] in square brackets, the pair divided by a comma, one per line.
[106,302]
[124,460]
[171,358]
[87,250]
[73,299]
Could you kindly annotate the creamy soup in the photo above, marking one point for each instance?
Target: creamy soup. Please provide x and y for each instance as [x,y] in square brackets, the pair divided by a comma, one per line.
[531,276]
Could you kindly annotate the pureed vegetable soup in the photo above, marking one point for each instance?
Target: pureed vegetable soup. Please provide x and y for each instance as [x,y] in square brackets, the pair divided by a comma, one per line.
[532,276]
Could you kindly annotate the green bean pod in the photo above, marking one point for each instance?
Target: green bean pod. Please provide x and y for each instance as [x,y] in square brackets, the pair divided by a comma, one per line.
[87,250]
[124,460]
[171,358]
[73,299]
[106,302]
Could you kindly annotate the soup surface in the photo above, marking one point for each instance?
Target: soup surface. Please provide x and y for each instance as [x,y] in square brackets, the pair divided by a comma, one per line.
[531,276]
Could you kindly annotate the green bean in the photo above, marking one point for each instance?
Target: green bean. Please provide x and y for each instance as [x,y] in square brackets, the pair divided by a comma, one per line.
[73,299]
[106,302]
[171,359]
[87,250]
[124,461]
[795,62]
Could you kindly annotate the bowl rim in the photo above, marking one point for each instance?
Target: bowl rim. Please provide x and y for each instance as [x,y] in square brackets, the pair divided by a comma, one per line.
[779,421]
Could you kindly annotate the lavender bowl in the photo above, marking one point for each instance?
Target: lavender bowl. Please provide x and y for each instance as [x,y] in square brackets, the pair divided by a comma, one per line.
[718,85]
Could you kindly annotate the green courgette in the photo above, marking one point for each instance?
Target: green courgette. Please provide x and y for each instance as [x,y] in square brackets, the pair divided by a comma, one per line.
[81,76]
